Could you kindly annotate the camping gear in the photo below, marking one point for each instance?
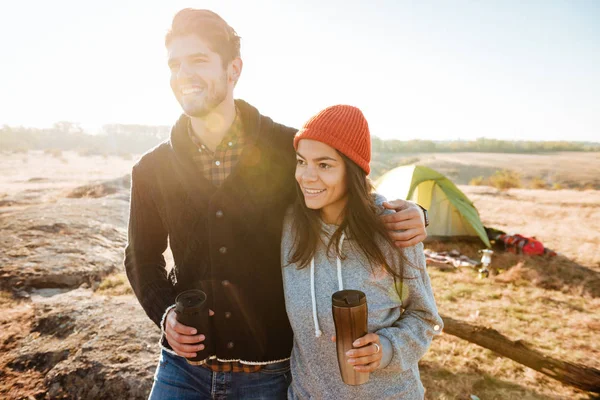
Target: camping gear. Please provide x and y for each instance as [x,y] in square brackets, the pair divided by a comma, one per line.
[520,244]
[349,308]
[452,257]
[517,243]
[486,260]
[452,214]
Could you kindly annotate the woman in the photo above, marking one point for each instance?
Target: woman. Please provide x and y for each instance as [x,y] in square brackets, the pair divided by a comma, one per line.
[334,239]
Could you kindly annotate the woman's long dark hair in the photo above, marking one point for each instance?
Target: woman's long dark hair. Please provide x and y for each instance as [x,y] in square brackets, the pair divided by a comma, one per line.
[360,220]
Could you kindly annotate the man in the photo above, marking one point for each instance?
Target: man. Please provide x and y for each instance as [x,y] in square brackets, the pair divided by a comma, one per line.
[217,192]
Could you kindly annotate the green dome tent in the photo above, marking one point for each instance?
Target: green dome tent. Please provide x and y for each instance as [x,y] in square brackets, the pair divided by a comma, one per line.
[451,213]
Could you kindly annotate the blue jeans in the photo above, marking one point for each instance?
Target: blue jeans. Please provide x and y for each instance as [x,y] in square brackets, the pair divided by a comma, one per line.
[176,379]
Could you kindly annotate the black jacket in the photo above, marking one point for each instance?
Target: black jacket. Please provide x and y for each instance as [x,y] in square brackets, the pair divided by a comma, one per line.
[224,240]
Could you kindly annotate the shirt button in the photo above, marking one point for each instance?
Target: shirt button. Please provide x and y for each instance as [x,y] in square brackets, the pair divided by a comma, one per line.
[223,250]
[230,345]
[219,214]
[217,163]
[225,282]
[230,144]
[436,328]
[227,314]
[199,150]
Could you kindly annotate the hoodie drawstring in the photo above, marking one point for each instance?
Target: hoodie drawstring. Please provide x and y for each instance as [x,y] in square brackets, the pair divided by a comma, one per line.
[318,332]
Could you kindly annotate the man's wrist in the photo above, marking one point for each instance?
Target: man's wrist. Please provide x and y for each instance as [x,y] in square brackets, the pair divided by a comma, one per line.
[425,215]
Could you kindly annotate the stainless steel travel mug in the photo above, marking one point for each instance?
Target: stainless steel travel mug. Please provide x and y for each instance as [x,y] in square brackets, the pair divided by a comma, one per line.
[350,316]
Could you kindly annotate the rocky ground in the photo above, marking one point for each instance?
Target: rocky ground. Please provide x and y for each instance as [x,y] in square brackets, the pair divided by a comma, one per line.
[61,336]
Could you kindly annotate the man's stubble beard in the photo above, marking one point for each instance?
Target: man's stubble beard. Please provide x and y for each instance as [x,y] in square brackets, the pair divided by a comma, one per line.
[212,100]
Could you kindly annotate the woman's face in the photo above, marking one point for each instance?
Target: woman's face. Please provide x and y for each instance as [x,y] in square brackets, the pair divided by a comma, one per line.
[321,174]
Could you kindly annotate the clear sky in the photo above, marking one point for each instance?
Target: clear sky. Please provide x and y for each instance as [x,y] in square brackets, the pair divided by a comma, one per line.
[440,70]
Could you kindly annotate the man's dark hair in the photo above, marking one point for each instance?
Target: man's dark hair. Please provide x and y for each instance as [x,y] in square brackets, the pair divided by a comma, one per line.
[209,26]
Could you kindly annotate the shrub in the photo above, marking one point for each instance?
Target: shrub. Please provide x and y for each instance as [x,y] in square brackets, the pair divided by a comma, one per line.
[505,179]
[538,183]
[477,181]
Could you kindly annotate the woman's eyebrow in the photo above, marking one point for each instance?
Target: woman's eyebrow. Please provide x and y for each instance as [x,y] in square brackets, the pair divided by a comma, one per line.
[318,158]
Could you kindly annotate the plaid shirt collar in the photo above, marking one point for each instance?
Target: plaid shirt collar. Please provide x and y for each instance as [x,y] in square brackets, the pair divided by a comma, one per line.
[217,165]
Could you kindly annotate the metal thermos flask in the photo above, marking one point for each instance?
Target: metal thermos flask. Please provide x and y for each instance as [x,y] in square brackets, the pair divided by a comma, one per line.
[350,315]
[191,309]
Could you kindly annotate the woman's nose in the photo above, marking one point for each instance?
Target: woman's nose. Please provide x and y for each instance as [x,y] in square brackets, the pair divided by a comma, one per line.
[309,175]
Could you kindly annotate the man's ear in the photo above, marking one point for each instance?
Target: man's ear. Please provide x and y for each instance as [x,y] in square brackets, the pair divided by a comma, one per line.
[235,70]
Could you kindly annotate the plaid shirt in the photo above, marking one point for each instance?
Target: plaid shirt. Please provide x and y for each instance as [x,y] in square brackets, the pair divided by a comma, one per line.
[216,167]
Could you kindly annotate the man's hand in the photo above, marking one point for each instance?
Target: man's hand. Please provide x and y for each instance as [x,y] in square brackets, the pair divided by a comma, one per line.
[182,338]
[408,219]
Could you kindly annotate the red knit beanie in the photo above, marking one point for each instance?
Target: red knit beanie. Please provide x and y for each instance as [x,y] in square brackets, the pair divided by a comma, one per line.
[345,129]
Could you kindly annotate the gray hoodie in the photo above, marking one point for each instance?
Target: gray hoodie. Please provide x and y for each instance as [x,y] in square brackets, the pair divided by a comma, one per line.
[405,336]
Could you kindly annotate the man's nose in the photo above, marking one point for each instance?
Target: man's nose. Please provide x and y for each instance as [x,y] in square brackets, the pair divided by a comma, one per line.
[184,71]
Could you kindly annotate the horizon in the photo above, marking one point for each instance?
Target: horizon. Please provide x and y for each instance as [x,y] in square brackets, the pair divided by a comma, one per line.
[47,130]
[425,71]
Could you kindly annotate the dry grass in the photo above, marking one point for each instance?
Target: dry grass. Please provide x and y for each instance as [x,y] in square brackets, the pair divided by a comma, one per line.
[538,183]
[561,324]
[551,302]
[477,181]
[115,285]
[6,298]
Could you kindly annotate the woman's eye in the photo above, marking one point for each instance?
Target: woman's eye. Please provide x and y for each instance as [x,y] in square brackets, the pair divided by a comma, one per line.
[299,162]
[324,166]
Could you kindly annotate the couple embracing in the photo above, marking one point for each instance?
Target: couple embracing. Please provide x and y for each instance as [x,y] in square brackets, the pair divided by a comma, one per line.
[270,221]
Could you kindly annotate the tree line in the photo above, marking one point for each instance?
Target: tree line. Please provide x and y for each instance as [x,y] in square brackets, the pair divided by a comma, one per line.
[482,145]
[112,139]
[131,138]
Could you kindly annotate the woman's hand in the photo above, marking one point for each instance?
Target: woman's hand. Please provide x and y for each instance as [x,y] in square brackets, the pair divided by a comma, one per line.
[367,354]
[184,339]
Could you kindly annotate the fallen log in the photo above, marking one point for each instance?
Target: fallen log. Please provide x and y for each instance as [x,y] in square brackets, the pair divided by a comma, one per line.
[576,375]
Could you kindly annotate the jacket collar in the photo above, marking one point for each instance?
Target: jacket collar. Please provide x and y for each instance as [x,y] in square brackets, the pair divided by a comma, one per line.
[184,147]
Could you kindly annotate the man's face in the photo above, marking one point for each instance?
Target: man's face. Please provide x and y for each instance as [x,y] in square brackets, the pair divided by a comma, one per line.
[198,79]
